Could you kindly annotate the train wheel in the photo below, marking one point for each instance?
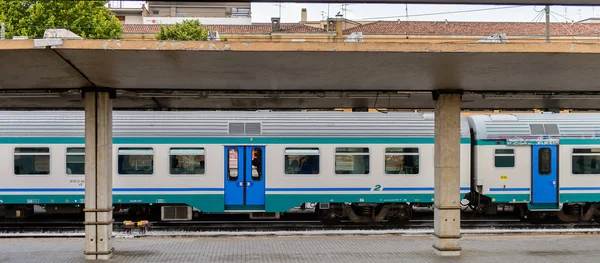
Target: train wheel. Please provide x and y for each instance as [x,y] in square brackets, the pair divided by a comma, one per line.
[329,217]
[597,219]
[399,215]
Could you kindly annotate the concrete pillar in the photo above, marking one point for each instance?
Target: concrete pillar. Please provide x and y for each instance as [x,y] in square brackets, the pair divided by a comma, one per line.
[447,175]
[98,176]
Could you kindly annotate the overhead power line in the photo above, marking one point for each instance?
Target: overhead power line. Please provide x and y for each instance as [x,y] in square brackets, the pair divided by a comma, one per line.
[444,13]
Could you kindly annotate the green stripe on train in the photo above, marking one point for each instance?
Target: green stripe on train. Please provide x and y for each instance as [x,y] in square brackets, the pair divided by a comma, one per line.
[225,140]
[216,202]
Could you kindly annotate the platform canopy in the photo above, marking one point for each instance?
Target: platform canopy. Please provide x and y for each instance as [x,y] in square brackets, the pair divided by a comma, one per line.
[266,75]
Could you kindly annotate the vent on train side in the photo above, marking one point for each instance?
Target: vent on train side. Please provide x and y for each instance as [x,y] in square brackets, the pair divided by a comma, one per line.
[544,129]
[238,128]
[170,213]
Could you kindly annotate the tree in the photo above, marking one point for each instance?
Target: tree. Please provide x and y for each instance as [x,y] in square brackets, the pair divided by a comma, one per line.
[186,30]
[89,19]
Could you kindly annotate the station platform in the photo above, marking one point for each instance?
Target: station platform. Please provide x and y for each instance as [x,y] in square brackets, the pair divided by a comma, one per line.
[330,249]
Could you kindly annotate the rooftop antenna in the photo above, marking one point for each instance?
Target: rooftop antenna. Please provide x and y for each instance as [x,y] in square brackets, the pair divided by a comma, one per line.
[328,10]
[406,12]
[279,8]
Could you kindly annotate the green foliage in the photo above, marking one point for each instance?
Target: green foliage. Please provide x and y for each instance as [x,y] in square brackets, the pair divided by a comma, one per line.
[186,30]
[89,19]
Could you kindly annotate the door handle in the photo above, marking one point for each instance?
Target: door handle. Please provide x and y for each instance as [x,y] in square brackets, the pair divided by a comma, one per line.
[248,184]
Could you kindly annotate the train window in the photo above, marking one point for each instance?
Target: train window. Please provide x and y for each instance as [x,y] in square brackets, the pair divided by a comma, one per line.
[32,161]
[232,173]
[586,161]
[302,161]
[504,158]
[544,161]
[135,161]
[257,164]
[352,160]
[186,161]
[402,160]
[76,161]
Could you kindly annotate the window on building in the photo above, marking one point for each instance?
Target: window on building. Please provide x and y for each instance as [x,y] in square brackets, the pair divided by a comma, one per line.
[402,160]
[302,160]
[76,161]
[32,161]
[586,161]
[504,158]
[136,161]
[352,160]
[187,161]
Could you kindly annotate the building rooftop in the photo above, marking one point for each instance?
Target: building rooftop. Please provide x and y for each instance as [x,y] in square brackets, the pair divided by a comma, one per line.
[255,28]
[473,28]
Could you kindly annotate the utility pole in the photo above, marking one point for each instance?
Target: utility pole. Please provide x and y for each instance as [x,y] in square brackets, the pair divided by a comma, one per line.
[2,30]
[547,23]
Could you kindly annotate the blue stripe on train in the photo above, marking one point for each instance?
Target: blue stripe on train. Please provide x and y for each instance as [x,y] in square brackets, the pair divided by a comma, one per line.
[508,189]
[330,189]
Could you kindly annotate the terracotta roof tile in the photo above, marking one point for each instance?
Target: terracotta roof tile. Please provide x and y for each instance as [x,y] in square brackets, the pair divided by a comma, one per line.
[473,28]
[257,28]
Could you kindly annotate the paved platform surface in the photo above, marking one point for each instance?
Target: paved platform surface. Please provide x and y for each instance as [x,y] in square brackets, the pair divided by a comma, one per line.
[480,249]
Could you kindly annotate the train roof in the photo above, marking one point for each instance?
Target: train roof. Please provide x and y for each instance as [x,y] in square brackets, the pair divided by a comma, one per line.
[535,126]
[226,124]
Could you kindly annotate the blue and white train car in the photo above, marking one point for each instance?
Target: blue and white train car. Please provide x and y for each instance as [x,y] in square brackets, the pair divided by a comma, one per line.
[545,164]
[367,166]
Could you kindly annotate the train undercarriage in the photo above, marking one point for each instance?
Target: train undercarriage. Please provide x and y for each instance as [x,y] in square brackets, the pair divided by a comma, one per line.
[477,204]
[364,213]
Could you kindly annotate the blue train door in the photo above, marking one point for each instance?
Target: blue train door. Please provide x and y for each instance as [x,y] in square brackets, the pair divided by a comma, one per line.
[544,188]
[244,177]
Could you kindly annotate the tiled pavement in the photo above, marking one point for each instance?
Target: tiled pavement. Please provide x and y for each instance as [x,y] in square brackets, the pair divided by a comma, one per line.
[387,248]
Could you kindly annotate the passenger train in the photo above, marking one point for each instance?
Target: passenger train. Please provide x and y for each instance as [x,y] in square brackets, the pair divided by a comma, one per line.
[367,167]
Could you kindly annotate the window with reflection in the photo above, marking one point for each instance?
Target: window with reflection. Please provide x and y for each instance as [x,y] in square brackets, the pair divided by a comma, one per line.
[402,160]
[352,160]
[76,161]
[586,161]
[133,161]
[232,173]
[545,161]
[32,161]
[187,161]
[301,160]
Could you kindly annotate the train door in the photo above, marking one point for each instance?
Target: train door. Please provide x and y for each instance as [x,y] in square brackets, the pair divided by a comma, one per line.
[544,181]
[244,176]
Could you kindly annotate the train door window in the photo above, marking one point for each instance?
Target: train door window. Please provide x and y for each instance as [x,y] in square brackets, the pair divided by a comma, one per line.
[301,161]
[232,174]
[257,164]
[352,160]
[76,161]
[402,160]
[132,161]
[187,161]
[585,161]
[32,161]
[544,161]
[504,158]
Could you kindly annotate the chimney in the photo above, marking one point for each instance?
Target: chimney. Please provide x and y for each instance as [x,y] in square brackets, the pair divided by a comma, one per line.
[303,15]
[275,25]
[108,5]
[336,25]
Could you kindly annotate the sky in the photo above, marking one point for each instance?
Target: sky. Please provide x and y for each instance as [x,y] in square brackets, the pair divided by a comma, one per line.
[290,12]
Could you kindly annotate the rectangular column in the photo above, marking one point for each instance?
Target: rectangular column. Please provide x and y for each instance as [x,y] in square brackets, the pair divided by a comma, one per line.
[98,176]
[447,175]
